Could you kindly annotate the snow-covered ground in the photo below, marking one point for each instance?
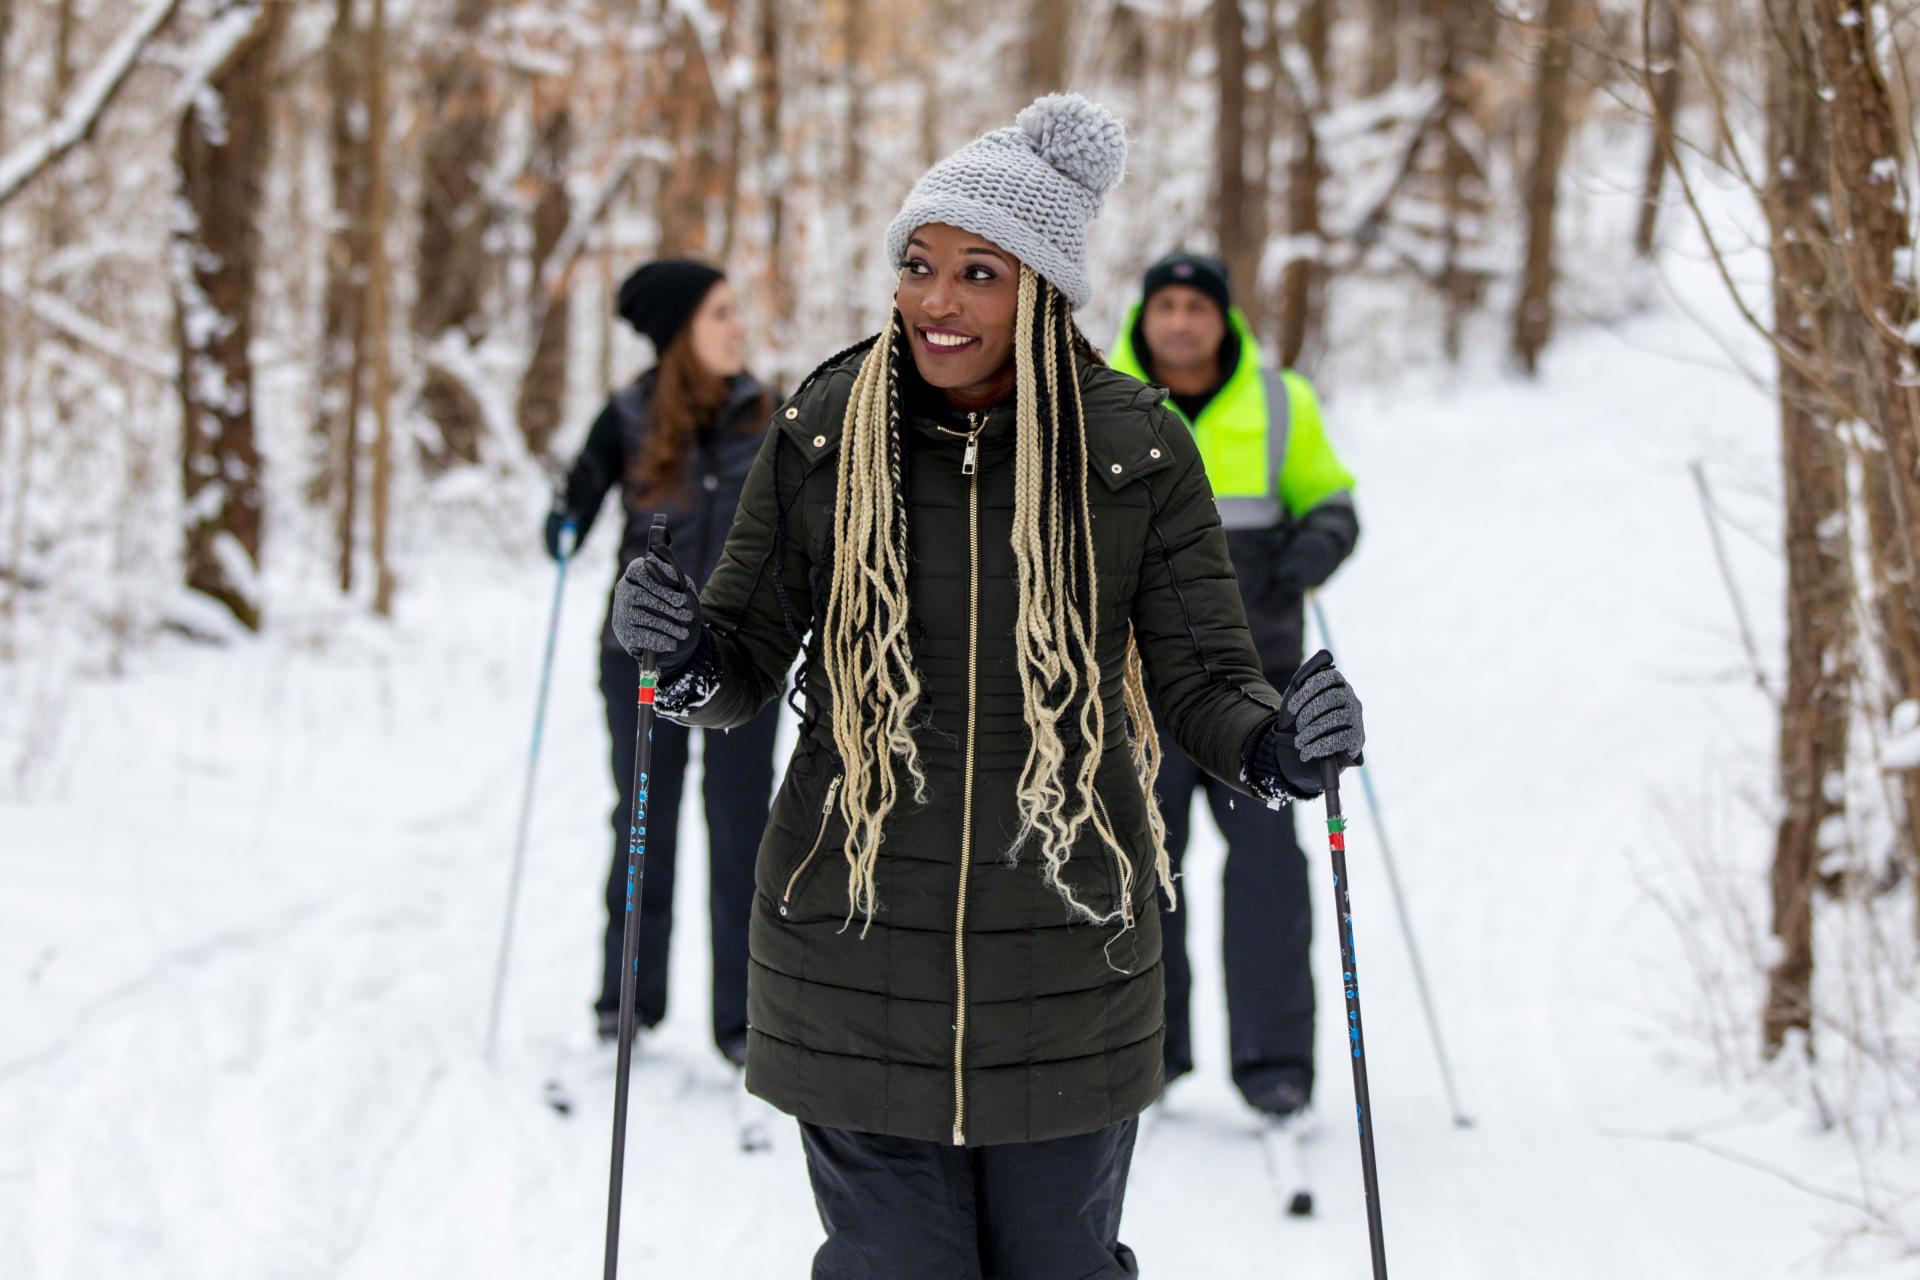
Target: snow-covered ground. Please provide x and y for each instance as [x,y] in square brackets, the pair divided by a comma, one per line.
[249,899]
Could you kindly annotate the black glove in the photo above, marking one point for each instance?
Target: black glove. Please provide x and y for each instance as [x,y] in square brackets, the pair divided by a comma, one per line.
[1307,558]
[657,611]
[561,524]
[1319,718]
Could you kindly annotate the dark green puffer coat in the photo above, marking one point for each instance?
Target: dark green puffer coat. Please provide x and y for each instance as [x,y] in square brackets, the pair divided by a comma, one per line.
[1029,1024]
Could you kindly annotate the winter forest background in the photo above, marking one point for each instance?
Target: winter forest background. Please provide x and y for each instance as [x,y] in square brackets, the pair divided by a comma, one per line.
[1612,305]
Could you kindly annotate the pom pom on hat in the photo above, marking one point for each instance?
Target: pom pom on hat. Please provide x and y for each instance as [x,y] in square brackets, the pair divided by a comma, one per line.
[1078,137]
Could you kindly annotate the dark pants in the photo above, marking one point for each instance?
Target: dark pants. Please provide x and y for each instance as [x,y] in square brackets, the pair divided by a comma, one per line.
[738,783]
[1268,919]
[900,1209]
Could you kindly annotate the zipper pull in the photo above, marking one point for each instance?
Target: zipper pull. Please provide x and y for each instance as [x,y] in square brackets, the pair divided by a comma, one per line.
[826,815]
[970,460]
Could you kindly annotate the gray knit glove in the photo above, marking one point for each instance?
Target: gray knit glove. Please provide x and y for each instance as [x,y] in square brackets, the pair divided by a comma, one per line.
[1319,718]
[1324,710]
[656,611]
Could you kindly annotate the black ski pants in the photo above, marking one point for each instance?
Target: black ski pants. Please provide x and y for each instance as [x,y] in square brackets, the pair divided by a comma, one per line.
[903,1209]
[738,784]
[1267,922]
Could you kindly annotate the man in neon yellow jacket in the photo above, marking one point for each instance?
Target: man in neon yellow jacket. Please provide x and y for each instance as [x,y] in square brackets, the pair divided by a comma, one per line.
[1287,503]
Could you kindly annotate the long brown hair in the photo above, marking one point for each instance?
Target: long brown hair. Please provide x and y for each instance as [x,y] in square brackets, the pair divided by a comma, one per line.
[687,397]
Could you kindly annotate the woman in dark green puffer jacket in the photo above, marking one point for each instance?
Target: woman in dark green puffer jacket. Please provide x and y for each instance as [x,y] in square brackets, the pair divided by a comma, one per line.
[985,544]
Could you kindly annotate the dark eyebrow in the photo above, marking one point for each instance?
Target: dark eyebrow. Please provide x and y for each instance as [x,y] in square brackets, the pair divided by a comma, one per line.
[982,250]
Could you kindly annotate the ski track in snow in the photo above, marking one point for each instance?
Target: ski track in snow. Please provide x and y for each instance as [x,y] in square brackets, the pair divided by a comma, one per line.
[248,918]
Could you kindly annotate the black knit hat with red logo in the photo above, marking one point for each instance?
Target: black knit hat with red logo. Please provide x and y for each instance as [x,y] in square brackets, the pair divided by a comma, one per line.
[1195,270]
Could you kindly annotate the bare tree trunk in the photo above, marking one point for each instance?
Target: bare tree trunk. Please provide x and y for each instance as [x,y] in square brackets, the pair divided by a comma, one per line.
[1533,315]
[1049,28]
[1892,610]
[378,330]
[1131,39]
[451,259]
[731,122]
[10,582]
[221,150]
[1303,285]
[1237,248]
[854,159]
[1456,169]
[543,388]
[685,187]
[1813,717]
[1383,45]
[340,363]
[1872,236]
[59,208]
[6,69]
[1662,52]
[776,284]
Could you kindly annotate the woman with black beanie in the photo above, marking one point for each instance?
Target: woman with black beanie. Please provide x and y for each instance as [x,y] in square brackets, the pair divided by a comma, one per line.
[679,440]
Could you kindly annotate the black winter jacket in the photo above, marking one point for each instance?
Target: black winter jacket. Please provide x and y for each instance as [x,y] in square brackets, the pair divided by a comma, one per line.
[701,513]
[1022,1024]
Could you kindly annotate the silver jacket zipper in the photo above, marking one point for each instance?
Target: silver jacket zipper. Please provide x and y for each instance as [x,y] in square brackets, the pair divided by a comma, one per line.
[819,838]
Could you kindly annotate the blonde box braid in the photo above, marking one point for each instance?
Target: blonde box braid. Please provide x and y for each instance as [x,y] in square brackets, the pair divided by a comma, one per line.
[871,680]
[867,655]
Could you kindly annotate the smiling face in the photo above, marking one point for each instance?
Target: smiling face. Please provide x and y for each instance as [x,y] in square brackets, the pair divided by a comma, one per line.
[957,297]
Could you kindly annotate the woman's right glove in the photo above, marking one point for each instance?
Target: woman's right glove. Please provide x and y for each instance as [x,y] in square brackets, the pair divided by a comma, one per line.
[1319,718]
[657,611]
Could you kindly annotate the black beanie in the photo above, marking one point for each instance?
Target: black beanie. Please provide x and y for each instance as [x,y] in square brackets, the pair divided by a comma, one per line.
[1196,270]
[659,298]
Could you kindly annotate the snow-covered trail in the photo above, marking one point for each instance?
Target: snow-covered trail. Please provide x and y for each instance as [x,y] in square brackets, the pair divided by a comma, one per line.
[249,903]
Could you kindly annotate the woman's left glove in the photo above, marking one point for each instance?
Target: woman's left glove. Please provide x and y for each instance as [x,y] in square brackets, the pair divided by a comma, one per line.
[657,611]
[1319,718]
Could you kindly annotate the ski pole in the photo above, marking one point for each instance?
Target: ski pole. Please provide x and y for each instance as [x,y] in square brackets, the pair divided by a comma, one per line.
[1400,907]
[526,793]
[1350,981]
[657,541]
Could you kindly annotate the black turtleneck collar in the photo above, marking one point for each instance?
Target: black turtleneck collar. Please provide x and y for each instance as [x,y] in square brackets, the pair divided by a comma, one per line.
[925,403]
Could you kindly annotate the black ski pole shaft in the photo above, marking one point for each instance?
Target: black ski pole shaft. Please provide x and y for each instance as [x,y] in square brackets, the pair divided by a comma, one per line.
[1356,1040]
[1399,896]
[526,793]
[630,942]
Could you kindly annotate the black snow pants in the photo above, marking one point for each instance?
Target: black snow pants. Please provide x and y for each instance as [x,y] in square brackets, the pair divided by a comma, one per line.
[1268,923]
[738,784]
[904,1209]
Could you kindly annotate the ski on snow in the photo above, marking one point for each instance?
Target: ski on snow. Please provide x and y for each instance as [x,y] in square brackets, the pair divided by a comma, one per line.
[753,1119]
[1285,1140]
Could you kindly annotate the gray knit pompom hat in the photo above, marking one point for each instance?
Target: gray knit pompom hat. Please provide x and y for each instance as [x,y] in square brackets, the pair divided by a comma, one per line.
[1031,189]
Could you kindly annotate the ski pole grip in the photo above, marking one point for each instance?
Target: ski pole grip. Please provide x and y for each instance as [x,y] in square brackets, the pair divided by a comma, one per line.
[569,538]
[1330,778]
[658,539]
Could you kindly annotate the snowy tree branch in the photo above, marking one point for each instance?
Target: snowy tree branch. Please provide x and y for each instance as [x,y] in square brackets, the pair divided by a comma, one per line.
[71,323]
[82,113]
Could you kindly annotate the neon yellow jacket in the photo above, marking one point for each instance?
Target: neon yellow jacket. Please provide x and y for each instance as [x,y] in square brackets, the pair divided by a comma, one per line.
[1264,467]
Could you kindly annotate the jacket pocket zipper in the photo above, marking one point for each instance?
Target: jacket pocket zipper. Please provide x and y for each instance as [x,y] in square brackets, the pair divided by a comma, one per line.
[819,838]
